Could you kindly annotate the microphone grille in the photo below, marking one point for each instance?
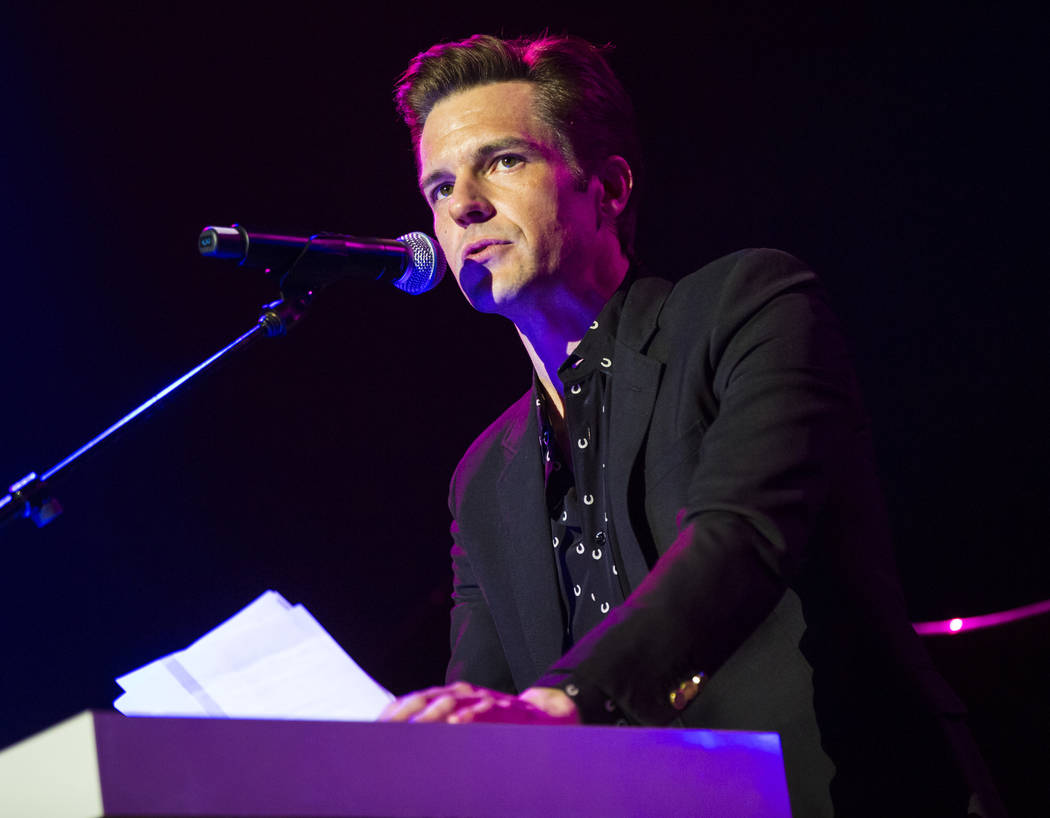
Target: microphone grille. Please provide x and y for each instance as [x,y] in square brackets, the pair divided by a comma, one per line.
[427,267]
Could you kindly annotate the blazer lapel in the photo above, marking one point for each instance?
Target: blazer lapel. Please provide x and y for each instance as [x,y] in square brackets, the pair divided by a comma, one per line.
[634,386]
[527,552]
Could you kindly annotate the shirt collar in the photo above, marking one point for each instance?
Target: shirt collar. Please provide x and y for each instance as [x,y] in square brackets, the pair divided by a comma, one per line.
[597,343]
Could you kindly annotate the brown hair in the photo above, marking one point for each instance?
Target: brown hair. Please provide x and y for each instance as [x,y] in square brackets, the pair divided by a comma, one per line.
[577,96]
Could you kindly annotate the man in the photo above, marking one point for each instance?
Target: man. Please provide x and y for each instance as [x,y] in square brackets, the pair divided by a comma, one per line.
[645,535]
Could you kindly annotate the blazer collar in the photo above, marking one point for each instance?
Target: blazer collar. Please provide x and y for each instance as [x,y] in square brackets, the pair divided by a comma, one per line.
[641,311]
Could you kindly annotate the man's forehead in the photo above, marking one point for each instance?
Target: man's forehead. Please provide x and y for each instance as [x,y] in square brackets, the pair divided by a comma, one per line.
[464,122]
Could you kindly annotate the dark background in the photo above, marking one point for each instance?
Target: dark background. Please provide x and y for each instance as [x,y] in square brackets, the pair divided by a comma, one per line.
[902,153]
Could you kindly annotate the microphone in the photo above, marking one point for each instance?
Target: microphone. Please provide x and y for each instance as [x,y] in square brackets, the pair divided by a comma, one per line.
[413,262]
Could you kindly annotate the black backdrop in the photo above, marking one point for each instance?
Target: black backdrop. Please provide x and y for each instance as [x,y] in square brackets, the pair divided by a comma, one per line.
[900,152]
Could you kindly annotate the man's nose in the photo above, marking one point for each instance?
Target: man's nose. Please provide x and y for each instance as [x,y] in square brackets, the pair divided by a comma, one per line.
[469,204]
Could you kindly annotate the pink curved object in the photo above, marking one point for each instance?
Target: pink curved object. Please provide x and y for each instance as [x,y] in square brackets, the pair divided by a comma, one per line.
[972,623]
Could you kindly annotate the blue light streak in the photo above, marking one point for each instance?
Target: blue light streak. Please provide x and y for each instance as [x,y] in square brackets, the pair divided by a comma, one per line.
[134,413]
[21,484]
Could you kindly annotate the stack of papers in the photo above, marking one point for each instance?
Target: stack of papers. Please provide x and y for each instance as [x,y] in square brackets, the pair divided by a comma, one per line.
[270,661]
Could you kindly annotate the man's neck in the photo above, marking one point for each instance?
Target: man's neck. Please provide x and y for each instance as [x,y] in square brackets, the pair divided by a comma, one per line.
[554,328]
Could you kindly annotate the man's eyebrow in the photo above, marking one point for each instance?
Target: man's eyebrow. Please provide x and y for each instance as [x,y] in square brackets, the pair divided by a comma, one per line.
[483,153]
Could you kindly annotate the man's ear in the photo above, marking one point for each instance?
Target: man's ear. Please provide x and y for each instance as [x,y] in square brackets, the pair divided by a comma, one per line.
[616,183]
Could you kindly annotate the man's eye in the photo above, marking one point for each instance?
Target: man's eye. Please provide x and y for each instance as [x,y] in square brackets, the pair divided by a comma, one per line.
[509,161]
[442,191]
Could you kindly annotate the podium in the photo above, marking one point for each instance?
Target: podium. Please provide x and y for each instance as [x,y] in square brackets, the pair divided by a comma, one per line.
[101,764]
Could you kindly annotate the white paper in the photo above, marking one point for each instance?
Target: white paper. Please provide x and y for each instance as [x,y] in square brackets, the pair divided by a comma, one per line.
[271,660]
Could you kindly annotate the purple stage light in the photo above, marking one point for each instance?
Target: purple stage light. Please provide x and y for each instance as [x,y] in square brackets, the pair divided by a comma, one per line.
[973,623]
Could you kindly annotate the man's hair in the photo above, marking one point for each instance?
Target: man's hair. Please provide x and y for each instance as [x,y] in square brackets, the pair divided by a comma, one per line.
[577,96]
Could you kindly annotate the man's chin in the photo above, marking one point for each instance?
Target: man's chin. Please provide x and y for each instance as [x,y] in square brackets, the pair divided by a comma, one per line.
[475,280]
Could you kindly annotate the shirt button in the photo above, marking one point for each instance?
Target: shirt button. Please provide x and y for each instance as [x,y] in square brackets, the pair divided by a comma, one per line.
[599,537]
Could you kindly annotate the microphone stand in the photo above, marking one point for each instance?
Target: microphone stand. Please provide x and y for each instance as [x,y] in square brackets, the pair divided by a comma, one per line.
[31,496]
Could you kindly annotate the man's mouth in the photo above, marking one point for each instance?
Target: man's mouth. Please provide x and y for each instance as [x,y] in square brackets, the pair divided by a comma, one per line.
[482,249]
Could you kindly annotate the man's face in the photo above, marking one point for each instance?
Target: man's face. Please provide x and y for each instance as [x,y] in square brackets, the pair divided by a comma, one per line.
[508,212]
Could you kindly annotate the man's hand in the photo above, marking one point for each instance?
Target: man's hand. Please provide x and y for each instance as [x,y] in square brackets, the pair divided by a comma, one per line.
[461,703]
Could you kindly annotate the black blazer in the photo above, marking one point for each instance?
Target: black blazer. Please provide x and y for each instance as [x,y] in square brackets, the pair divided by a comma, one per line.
[742,482]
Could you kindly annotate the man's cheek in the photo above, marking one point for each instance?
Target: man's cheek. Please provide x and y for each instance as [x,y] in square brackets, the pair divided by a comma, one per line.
[446,248]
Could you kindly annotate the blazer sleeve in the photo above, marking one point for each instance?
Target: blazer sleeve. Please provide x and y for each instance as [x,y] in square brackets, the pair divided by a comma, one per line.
[757,484]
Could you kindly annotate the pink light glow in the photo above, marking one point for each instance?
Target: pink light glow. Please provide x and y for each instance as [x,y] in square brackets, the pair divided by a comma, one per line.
[973,623]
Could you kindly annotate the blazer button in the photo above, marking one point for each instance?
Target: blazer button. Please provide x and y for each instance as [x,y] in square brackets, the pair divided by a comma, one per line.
[687,691]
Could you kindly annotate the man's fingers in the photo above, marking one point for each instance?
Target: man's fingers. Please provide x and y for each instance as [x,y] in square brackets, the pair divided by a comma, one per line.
[462,703]
[468,711]
[444,706]
[404,708]
[415,706]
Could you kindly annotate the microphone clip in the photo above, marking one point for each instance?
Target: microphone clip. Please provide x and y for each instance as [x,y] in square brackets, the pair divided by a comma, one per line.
[281,315]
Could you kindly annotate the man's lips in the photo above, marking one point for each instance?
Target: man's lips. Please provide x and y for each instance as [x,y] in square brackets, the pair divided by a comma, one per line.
[481,249]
